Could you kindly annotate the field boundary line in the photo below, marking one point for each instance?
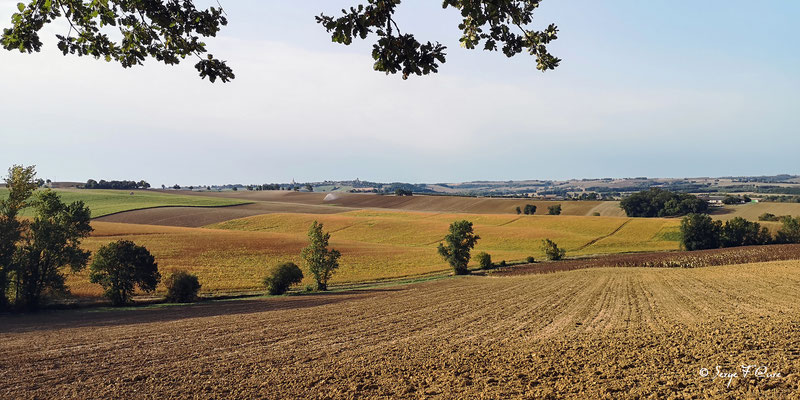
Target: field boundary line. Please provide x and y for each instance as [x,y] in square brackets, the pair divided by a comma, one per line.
[174,206]
[593,241]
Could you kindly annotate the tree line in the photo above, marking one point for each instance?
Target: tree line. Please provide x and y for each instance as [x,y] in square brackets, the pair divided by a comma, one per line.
[656,202]
[701,232]
[120,185]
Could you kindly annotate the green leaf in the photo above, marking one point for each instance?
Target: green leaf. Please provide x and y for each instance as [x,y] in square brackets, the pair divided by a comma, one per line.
[21,7]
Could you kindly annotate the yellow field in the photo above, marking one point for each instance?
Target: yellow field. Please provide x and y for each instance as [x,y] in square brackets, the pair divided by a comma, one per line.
[375,244]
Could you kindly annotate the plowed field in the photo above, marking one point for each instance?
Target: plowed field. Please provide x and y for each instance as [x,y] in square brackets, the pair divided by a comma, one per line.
[594,333]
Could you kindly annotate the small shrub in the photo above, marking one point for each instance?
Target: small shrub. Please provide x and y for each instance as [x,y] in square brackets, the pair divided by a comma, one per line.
[552,251]
[595,214]
[502,264]
[182,287]
[767,217]
[309,288]
[282,277]
[484,260]
[530,260]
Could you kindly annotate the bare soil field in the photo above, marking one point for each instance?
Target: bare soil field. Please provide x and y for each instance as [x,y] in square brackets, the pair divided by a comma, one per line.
[595,333]
[751,211]
[201,216]
[449,204]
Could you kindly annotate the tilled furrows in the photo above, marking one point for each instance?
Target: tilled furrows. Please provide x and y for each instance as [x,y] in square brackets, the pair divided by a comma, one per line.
[598,333]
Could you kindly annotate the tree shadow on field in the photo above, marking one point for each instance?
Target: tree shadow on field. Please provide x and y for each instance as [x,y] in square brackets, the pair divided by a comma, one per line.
[65,319]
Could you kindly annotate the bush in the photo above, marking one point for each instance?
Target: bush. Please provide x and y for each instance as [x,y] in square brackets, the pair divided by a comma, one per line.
[182,287]
[552,251]
[282,277]
[700,232]
[484,260]
[530,260]
[502,264]
[595,214]
[767,217]
[554,209]
[530,209]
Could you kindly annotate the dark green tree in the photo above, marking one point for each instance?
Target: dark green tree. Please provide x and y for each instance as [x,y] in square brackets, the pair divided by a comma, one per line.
[21,184]
[121,266]
[700,232]
[554,209]
[530,209]
[656,202]
[741,232]
[170,30]
[484,260]
[322,263]
[519,210]
[51,243]
[182,287]
[457,246]
[790,231]
[282,277]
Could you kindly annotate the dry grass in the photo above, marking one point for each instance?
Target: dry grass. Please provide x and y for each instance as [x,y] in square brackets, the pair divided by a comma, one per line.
[752,211]
[595,333]
[375,244]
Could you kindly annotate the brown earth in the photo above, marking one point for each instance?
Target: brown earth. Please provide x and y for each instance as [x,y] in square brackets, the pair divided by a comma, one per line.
[448,204]
[595,333]
[200,216]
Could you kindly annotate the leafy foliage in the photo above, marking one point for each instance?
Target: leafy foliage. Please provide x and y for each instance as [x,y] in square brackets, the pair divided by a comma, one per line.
[487,23]
[484,260]
[741,232]
[551,250]
[21,184]
[321,262]
[52,243]
[790,231]
[657,202]
[530,209]
[282,277]
[182,287]
[554,209]
[767,217]
[120,266]
[457,246]
[700,232]
[165,30]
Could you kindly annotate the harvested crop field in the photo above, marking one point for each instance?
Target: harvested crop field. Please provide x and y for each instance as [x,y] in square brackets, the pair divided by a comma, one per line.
[201,216]
[683,259]
[446,204]
[594,333]
[751,211]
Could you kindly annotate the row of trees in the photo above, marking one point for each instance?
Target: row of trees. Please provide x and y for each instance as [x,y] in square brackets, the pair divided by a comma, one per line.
[530,209]
[120,185]
[700,232]
[657,202]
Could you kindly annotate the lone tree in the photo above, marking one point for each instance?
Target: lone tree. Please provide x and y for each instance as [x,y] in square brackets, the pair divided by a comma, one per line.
[120,266]
[457,245]
[321,262]
[50,244]
[554,209]
[551,250]
[169,31]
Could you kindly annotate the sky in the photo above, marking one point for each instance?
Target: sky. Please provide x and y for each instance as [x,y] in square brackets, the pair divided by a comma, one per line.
[646,88]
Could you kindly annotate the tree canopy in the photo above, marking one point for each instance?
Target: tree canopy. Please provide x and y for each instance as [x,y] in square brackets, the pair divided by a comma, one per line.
[171,30]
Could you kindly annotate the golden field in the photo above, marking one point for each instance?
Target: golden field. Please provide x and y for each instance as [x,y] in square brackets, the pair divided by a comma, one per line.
[375,244]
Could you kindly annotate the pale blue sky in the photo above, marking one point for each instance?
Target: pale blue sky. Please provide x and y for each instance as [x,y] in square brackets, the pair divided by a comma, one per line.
[646,88]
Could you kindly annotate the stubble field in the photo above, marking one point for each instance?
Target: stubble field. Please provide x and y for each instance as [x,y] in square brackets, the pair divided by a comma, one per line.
[594,333]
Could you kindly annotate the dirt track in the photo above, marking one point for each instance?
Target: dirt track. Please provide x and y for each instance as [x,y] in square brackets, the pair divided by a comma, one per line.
[598,333]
